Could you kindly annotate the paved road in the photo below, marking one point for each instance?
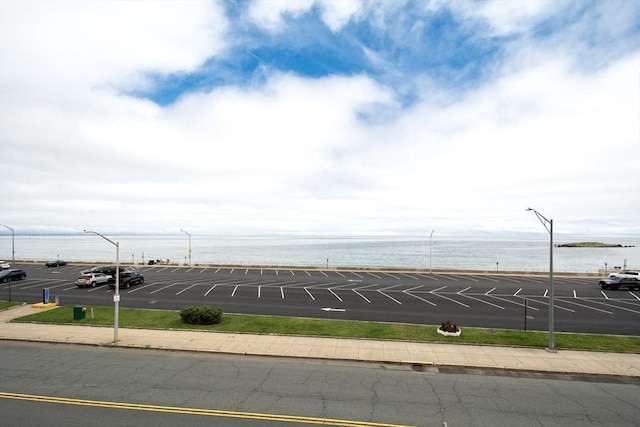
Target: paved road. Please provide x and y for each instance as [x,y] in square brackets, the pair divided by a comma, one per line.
[494,301]
[228,390]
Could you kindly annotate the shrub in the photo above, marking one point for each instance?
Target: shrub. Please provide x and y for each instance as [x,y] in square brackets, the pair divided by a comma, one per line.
[447,326]
[202,315]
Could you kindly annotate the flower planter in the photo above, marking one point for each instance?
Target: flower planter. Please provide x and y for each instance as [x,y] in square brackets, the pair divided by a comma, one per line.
[449,334]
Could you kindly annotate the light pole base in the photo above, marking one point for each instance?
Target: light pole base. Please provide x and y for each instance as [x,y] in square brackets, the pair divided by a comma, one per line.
[551,350]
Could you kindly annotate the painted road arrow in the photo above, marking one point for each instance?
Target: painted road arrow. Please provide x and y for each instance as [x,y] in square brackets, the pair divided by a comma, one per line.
[333,309]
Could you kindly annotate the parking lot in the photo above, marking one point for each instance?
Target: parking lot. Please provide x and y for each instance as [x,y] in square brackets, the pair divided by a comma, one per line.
[481,300]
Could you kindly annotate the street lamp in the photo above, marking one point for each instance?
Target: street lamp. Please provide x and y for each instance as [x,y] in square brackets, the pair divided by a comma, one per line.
[13,254]
[116,295]
[13,251]
[430,238]
[548,224]
[189,244]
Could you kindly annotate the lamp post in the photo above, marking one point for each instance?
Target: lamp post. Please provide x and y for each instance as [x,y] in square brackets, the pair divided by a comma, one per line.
[13,250]
[116,295]
[430,239]
[189,244]
[13,253]
[548,224]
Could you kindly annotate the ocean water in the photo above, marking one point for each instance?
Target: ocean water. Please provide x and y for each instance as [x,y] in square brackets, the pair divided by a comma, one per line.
[469,253]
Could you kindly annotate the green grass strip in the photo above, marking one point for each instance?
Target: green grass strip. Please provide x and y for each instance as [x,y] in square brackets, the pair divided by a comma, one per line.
[244,323]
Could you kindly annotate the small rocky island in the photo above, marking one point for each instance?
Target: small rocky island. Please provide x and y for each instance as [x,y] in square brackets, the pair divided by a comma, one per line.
[592,245]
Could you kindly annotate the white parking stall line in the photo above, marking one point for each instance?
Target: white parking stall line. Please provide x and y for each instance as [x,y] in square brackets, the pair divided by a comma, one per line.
[390,297]
[437,289]
[489,291]
[508,279]
[589,307]
[162,269]
[308,274]
[513,302]
[574,294]
[449,278]
[426,276]
[292,273]
[338,273]
[414,288]
[310,294]
[204,269]
[335,295]
[259,289]
[357,275]
[410,276]
[517,292]
[374,275]
[388,287]
[546,293]
[391,275]
[210,289]
[163,288]
[604,295]
[526,279]
[320,285]
[468,278]
[482,301]
[188,270]
[232,270]
[282,292]
[460,292]
[246,271]
[186,289]
[139,288]
[276,272]
[419,297]
[635,296]
[234,290]
[40,284]
[555,305]
[362,296]
[450,299]
[325,274]
[216,272]
[175,269]
[610,305]
[490,279]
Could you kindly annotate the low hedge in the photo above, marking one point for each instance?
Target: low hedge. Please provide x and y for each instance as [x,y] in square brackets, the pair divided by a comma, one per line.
[203,315]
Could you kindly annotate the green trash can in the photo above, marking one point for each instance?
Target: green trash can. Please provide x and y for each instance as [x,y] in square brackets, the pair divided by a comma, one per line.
[78,312]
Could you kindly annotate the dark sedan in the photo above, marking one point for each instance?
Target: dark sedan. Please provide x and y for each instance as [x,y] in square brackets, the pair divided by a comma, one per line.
[56,263]
[12,274]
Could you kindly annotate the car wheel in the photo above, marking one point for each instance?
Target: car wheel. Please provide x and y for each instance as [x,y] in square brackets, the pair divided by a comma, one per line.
[93,284]
[23,277]
[4,280]
[127,285]
[141,281]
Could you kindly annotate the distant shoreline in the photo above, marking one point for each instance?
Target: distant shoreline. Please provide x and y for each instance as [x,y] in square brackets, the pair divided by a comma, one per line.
[593,245]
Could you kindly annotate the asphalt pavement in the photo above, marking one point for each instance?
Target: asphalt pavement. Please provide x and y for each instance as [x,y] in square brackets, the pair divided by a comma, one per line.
[363,350]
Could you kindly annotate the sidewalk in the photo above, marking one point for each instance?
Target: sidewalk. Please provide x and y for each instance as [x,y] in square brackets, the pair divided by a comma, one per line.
[425,354]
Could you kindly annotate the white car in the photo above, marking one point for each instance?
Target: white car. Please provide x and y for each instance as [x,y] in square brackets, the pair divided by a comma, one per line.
[92,279]
[4,265]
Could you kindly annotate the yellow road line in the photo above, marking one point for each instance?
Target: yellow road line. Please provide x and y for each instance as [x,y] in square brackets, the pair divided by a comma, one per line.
[195,411]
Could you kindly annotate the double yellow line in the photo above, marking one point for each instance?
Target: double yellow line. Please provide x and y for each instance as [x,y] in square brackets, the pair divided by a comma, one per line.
[195,411]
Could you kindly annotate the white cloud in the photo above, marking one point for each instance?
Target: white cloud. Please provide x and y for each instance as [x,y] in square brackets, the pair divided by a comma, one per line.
[299,154]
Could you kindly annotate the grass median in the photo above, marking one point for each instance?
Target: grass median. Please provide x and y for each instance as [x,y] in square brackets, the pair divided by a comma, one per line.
[244,323]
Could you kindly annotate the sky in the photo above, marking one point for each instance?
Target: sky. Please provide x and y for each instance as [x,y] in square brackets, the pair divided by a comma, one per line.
[320,117]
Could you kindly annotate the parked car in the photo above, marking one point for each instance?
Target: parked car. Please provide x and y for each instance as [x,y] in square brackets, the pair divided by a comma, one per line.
[56,263]
[128,278]
[627,279]
[99,269]
[4,265]
[12,274]
[92,279]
